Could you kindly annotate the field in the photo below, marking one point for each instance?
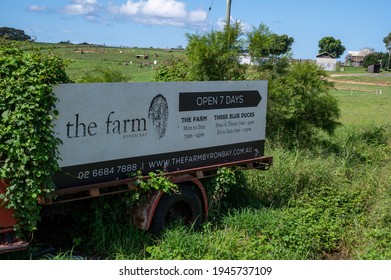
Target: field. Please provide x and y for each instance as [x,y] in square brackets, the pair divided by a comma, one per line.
[364,98]
[329,199]
[134,64]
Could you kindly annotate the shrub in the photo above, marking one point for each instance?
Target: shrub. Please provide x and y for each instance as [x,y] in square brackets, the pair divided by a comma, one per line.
[172,71]
[103,75]
[215,55]
[28,147]
[299,104]
[376,58]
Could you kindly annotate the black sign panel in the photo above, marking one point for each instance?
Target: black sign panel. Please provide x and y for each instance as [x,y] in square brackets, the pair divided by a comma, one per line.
[180,160]
[194,101]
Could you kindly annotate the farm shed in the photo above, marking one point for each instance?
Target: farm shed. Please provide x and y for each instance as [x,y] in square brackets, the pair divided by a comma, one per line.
[356,58]
[142,56]
[374,68]
[327,61]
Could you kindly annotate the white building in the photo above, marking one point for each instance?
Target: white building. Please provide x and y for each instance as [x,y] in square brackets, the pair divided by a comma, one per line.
[327,61]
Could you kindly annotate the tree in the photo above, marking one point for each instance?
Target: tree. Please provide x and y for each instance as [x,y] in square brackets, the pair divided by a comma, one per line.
[215,55]
[13,34]
[262,43]
[259,40]
[331,46]
[280,44]
[387,42]
[269,50]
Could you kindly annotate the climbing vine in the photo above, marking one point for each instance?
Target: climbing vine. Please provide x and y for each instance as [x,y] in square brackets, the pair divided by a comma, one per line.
[155,181]
[28,147]
[219,186]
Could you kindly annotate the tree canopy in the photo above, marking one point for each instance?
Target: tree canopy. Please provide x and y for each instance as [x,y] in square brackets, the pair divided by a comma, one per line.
[262,43]
[215,55]
[387,41]
[14,34]
[332,46]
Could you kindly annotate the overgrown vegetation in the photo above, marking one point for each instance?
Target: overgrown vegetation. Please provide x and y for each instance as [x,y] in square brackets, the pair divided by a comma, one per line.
[156,181]
[214,56]
[327,199]
[299,104]
[28,148]
[376,58]
[104,75]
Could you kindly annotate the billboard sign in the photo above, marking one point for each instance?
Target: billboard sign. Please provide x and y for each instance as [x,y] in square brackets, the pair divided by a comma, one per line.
[111,130]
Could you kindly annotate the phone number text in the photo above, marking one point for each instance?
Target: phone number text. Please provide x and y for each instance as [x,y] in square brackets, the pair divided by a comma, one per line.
[107,171]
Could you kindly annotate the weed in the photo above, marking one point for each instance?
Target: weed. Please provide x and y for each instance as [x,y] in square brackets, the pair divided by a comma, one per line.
[103,75]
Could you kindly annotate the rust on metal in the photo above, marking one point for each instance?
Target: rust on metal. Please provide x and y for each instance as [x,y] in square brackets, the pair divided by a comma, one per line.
[12,247]
[94,192]
[143,212]
[126,185]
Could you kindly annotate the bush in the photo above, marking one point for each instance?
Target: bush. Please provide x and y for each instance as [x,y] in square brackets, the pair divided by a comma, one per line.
[375,58]
[299,104]
[172,71]
[215,56]
[28,148]
[103,75]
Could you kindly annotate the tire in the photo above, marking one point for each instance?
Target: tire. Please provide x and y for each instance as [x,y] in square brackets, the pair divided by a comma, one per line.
[184,207]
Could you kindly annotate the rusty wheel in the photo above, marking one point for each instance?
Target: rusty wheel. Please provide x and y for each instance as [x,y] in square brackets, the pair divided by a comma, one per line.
[183,208]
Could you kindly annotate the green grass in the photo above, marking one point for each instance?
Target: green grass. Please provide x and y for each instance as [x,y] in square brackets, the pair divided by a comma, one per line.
[362,108]
[83,59]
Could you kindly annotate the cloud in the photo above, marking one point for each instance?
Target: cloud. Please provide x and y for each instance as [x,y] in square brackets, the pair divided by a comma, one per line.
[221,22]
[81,7]
[151,12]
[159,12]
[152,8]
[86,2]
[77,9]
[197,16]
[37,8]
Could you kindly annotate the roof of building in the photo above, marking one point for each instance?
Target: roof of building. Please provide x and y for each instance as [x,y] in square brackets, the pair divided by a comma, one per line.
[325,55]
[363,52]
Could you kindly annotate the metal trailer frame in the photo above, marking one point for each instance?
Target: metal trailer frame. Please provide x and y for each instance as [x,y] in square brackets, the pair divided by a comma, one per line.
[143,213]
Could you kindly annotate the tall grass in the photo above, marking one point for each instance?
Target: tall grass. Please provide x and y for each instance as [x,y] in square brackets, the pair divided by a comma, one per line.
[329,199]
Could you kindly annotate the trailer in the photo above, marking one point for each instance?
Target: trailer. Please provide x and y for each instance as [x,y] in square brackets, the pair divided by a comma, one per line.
[187,130]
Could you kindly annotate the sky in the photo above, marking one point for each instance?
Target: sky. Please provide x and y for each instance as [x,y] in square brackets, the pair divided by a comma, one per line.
[164,23]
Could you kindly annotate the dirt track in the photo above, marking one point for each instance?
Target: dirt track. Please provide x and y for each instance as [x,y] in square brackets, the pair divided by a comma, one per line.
[382,84]
[347,81]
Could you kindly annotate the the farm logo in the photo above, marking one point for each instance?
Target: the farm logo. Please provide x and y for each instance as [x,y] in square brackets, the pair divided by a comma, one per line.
[128,126]
[113,125]
[158,115]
